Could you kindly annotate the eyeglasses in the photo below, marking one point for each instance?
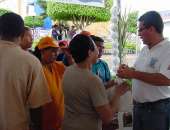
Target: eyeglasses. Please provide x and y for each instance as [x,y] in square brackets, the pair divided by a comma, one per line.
[141,29]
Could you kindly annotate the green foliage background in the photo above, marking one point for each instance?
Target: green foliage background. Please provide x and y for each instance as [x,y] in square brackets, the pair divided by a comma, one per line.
[33,21]
[132,22]
[128,45]
[3,11]
[63,11]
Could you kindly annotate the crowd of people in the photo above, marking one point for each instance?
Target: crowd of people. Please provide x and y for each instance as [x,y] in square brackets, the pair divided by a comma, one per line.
[61,85]
[60,32]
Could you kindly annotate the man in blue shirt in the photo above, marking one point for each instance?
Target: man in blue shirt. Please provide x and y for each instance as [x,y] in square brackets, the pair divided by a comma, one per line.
[101,68]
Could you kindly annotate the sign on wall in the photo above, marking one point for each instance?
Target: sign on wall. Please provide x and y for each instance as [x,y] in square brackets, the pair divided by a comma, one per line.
[98,3]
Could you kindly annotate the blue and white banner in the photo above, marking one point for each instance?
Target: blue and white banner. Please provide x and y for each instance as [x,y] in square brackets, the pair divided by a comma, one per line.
[97,3]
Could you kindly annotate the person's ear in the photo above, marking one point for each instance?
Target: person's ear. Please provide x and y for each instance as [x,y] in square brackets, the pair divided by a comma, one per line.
[90,53]
[151,29]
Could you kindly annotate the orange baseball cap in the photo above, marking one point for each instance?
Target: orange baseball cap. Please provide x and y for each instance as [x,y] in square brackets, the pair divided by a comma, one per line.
[46,42]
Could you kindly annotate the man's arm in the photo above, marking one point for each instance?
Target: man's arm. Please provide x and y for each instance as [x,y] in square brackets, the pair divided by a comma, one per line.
[107,111]
[156,79]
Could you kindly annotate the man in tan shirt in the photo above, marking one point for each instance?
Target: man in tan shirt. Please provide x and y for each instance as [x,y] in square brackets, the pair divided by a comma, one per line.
[22,82]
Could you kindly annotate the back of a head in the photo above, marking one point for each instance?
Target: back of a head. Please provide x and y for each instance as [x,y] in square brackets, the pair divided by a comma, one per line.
[97,39]
[79,47]
[11,25]
[152,18]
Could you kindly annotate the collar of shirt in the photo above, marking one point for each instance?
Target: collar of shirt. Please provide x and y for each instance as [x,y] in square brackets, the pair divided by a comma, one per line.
[9,43]
[163,42]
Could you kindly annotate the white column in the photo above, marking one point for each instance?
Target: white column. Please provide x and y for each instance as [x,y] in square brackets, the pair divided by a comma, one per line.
[21,7]
[115,14]
[114,36]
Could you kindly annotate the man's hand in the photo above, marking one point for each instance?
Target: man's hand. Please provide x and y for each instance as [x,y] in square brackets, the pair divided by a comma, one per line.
[125,72]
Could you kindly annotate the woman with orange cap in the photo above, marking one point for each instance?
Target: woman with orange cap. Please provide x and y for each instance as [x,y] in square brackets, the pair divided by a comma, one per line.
[53,112]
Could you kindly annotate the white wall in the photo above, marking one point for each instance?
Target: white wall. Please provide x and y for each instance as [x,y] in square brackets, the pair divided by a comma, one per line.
[167,30]
[17,6]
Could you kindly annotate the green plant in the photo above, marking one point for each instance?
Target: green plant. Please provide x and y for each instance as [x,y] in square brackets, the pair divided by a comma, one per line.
[33,21]
[132,22]
[131,46]
[108,45]
[80,15]
[3,11]
[129,82]
[122,33]
[128,45]
[124,26]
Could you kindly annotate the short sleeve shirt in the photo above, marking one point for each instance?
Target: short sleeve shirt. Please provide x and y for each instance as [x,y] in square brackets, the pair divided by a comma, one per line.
[83,92]
[22,86]
[101,69]
[154,60]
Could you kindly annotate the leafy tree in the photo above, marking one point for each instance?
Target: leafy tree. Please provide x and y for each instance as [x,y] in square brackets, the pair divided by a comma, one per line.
[80,15]
[132,22]
[122,33]
[36,21]
[42,3]
[3,11]
[33,21]
[127,23]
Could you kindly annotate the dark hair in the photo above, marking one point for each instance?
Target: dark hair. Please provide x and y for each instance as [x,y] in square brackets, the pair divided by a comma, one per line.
[11,25]
[61,44]
[37,53]
[96,38]
[55,25]
[25,30]
[152,18]
[79,47]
